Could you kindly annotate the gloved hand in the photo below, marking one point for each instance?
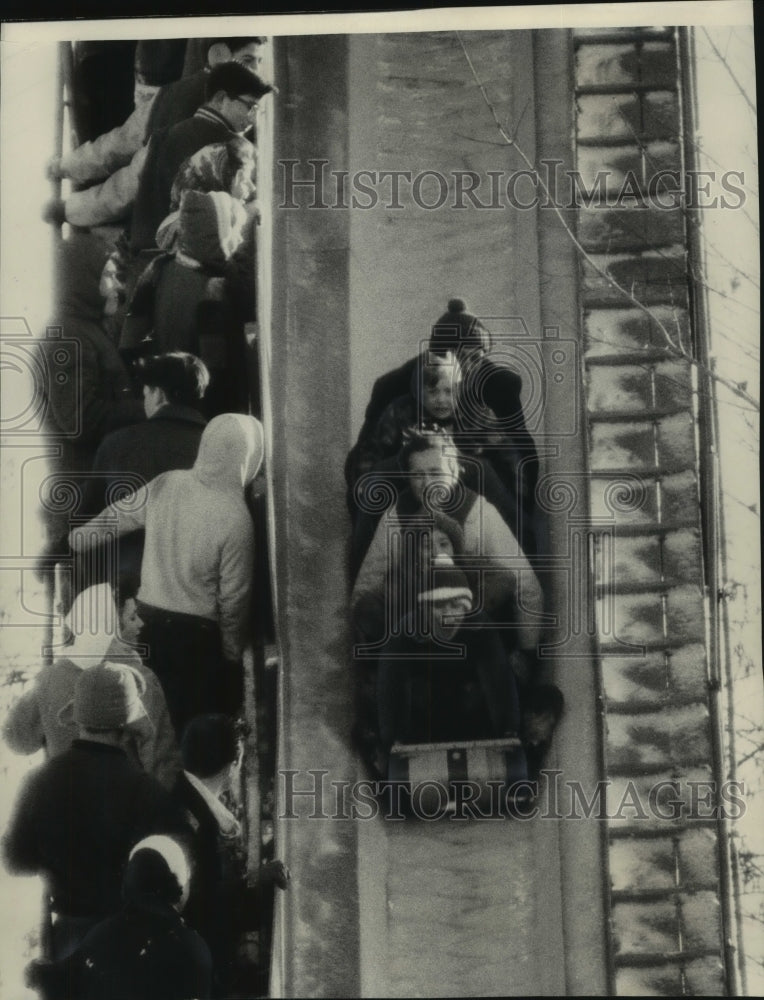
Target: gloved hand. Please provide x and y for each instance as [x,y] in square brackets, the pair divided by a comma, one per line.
[54,212]
[53,169]
[275,873]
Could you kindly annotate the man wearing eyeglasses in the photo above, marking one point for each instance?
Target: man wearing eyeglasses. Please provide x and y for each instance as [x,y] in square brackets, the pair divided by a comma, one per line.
[233,93]
[116,160]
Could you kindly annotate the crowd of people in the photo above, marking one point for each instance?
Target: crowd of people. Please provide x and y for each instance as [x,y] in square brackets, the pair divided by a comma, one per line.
[132,817]
[446,538]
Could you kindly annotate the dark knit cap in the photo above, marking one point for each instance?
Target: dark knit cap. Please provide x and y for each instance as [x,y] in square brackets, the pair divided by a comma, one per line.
[108,696]
[458,328]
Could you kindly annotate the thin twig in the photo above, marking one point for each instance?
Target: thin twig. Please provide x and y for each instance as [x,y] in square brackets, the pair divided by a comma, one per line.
[727,66]
[678,349]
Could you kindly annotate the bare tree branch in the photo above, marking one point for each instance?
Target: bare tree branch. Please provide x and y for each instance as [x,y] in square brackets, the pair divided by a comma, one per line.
[510,140]
[727,66]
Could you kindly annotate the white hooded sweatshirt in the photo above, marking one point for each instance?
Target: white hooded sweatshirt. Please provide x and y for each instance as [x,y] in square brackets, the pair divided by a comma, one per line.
[198,555]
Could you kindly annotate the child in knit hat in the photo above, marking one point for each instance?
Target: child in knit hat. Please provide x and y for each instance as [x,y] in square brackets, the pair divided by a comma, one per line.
[510,590]
[439,680]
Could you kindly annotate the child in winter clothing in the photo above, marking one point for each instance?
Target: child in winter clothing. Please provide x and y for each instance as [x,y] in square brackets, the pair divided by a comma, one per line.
[428,404]
[430,535]
[194,299]
[221,166]
[434,402]
[435,537]
[196,576]
[440,681]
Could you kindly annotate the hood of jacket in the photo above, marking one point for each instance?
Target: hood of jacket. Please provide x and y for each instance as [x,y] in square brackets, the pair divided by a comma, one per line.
[79,262]
[231,452]
[210,226]
[92,620]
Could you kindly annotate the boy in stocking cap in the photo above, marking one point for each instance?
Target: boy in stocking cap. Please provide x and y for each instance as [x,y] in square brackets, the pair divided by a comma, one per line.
[80,813]
[439,680]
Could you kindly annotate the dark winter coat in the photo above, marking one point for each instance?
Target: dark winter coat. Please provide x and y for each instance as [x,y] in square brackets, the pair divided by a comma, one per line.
[87,388]
[145,952]
[76,819]
[221,905]
[167,150]
[167,440]
[176,102]
[426,694]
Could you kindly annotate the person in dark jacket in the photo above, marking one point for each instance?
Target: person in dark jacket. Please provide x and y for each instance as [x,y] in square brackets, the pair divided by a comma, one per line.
[233,93]
[173,385]
[221,905]
[78,815]
[173,388]
[87,387]
[144,952]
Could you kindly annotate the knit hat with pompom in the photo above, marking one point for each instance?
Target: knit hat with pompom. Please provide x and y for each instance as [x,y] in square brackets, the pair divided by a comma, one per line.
[457,329]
